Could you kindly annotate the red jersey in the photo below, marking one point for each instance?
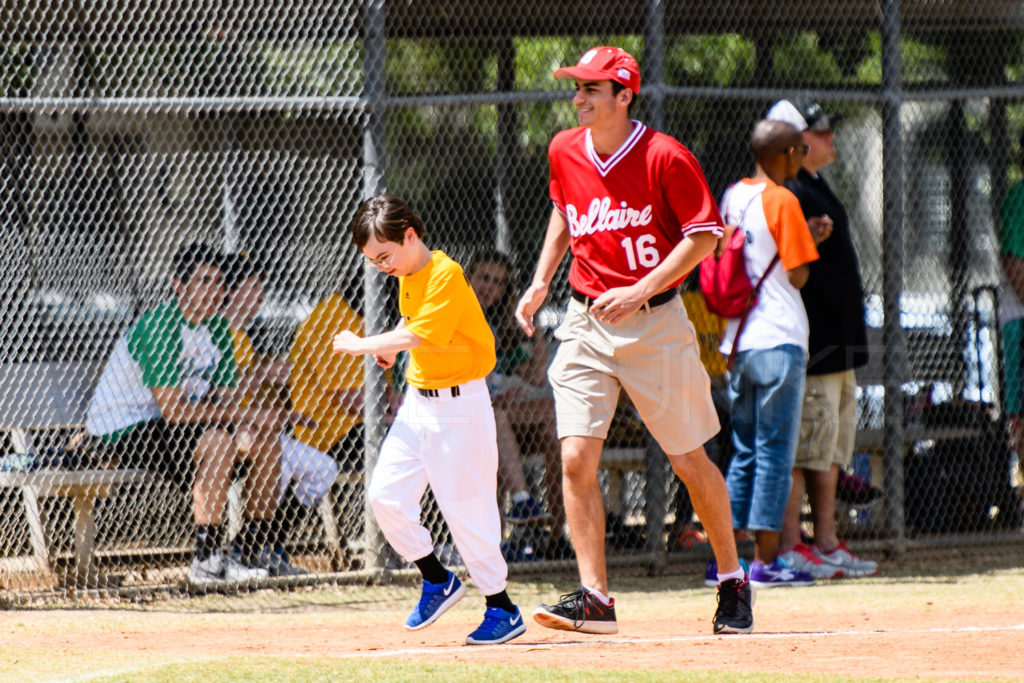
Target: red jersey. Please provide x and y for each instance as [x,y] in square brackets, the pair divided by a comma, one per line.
[626,212]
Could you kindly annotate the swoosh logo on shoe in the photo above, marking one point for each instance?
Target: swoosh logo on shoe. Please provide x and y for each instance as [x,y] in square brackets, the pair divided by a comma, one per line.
[451,584]
[517,619]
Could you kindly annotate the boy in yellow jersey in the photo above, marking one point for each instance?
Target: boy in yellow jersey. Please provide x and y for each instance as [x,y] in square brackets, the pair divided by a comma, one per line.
[444,433]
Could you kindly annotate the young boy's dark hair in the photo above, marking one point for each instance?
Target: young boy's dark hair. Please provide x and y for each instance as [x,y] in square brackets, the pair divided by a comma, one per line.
[190,257]
[238,268]
[386,217]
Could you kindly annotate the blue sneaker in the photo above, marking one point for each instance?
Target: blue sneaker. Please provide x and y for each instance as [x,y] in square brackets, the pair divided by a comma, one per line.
[498,627]
[435,600]
[778,573]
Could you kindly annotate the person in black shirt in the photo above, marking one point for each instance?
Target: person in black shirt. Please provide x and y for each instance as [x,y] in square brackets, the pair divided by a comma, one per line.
[834,299]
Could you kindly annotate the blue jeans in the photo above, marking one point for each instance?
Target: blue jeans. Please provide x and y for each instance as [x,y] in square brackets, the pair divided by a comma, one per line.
[766,387]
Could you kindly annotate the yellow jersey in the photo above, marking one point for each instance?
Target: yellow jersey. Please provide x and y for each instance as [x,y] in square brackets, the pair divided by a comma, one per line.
[245,354]
[318,373]
[709,328]
[438,306]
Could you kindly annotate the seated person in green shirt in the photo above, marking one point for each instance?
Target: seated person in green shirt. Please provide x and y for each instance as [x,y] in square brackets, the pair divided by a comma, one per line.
[164,402]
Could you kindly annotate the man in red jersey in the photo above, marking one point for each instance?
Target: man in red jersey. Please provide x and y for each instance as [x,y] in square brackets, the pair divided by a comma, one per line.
[635,209]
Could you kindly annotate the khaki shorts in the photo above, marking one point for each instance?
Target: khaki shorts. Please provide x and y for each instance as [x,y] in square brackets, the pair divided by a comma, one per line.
[653,356]
[828,422]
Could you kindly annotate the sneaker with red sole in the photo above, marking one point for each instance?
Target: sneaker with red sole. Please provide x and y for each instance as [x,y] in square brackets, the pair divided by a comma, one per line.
[853,566]
[802,557]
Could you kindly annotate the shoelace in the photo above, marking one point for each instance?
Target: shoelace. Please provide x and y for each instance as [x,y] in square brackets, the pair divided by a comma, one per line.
[575,601]
[729,598]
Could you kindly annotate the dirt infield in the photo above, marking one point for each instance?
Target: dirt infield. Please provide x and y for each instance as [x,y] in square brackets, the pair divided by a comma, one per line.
[965,627]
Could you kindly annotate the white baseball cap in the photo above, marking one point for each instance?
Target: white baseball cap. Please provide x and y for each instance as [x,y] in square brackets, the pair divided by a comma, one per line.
[802,117]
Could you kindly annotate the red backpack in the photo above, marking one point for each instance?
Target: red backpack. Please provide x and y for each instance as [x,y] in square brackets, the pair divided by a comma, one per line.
[727,290]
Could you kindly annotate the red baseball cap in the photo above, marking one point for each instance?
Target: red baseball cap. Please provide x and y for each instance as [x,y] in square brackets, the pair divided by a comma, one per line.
[605,64]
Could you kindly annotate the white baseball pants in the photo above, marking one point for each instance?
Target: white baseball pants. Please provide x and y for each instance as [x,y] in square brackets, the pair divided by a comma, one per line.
[310,471]
[449,443]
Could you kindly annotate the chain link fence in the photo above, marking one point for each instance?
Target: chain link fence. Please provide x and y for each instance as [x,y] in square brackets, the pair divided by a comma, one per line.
[131,130]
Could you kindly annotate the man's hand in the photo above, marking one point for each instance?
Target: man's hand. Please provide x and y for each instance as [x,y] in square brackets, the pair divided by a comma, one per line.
[820,227]
[348,399]
[617,304]
[348,342]
[531,301]
[298,419]
[262,419]
[510,397]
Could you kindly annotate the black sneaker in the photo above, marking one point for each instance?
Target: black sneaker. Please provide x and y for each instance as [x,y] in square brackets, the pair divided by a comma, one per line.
[735,612]
[578,611]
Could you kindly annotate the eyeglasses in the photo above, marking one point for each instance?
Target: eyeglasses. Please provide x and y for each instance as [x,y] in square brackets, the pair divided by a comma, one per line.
[805,148]
[380,263]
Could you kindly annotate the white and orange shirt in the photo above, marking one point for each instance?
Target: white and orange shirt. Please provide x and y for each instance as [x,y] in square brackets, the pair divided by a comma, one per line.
[628,210]
[771,217]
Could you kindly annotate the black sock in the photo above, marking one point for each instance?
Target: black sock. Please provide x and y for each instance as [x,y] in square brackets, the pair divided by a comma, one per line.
[432,569]
[284,517]
[501,600]
[254,535]
[208,539]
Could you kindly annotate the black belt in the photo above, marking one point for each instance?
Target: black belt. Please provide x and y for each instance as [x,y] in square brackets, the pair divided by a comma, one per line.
[436,393]
[656,300]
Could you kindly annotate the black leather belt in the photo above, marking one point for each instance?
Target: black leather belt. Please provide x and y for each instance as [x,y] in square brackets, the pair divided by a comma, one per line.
[656,300]
[436,393]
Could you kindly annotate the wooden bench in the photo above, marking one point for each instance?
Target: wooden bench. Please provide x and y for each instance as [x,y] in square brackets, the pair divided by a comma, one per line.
[49,397]
[84,487]
[44,397]
[616,461]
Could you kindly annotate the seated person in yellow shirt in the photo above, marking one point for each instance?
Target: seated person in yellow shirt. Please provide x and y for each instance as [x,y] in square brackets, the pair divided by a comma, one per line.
[326,386]
[306,473]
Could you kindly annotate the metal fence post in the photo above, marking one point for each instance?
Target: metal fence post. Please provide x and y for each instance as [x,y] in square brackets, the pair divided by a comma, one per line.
[894,367]
[373,293]
[656,470]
